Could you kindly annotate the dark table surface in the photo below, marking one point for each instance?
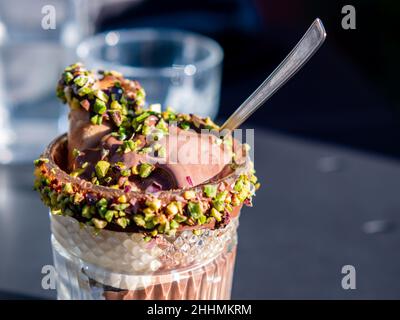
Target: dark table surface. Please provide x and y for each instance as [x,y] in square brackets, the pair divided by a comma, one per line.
[319,208]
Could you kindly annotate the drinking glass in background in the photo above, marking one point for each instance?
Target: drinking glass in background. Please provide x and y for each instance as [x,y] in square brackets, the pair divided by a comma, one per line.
[177,68]
[32,55]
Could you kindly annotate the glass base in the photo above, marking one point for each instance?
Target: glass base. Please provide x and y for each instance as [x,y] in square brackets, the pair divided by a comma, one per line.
[76,279]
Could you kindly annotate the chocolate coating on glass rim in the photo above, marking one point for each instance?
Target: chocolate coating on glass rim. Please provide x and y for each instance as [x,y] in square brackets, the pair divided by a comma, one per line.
[73,196]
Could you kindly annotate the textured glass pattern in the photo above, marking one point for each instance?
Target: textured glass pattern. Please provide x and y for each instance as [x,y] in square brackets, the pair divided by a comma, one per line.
[118,265]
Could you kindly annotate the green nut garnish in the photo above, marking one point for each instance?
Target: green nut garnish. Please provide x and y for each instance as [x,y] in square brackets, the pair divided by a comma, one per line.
[162,125]
[122,199]
[221,196]
[68,188]
[76,153]
[39,161]
[86,212]
[238,185]
[145,170]
[81,80]
[154,204]
[218,205]
[216,214]
[68,77]
[139,220]
[140,118]
[194,210]
[123,222]
[102,168]
[102,202]
[210,190]
[99,224]
[189,194]
[101,95]
[115,106]
[180,218]
[84,91]
[174,224]
[172,209]
[99,106]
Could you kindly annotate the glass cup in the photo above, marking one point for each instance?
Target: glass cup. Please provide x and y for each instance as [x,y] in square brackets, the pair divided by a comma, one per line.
[110,264]
[37,38]
[178,68]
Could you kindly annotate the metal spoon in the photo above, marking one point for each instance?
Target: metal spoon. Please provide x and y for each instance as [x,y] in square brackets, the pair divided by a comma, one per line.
[304,49]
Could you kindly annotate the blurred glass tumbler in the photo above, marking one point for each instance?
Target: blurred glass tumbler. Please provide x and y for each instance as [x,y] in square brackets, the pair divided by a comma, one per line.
[31,58]
[178,68]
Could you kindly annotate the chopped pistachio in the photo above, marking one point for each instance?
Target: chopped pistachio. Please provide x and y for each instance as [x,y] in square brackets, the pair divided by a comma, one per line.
[140,118]
[135,170]
[76,152]
[68,77]
[238,185]
[84,91]
[101,95]
[145,170]
[180,218]
[145,150]
[81,80]
[139,220]
[86,212]
[185,125]
[154,233]
[147,238]
[172,209]
[174,224]
[99,224]
[197,232]
[102,202]
[146,130]
[77,172]
[55,211]
[221,195]
[202,219]
[68,188]
[78,197]
[99,106]
[39,161]
[215,213]
[102,168]
[235,201]
[147,211]
[125,173]
[95,119]
[122,199]
[115,106]
[162,125]
[102,211]
[194,209]
[123,222]
[210,190]
[218,205]
[155,204]
[189,194]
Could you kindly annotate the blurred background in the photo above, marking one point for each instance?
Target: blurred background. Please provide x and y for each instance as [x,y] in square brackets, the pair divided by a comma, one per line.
[341,113]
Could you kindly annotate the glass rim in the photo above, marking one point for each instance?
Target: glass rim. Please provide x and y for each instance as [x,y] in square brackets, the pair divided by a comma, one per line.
[214,58]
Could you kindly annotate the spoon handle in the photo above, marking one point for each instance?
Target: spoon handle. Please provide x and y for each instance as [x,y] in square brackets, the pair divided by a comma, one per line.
[304,49]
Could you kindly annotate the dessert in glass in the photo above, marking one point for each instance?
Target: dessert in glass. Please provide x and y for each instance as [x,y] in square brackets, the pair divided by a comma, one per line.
[144,203]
